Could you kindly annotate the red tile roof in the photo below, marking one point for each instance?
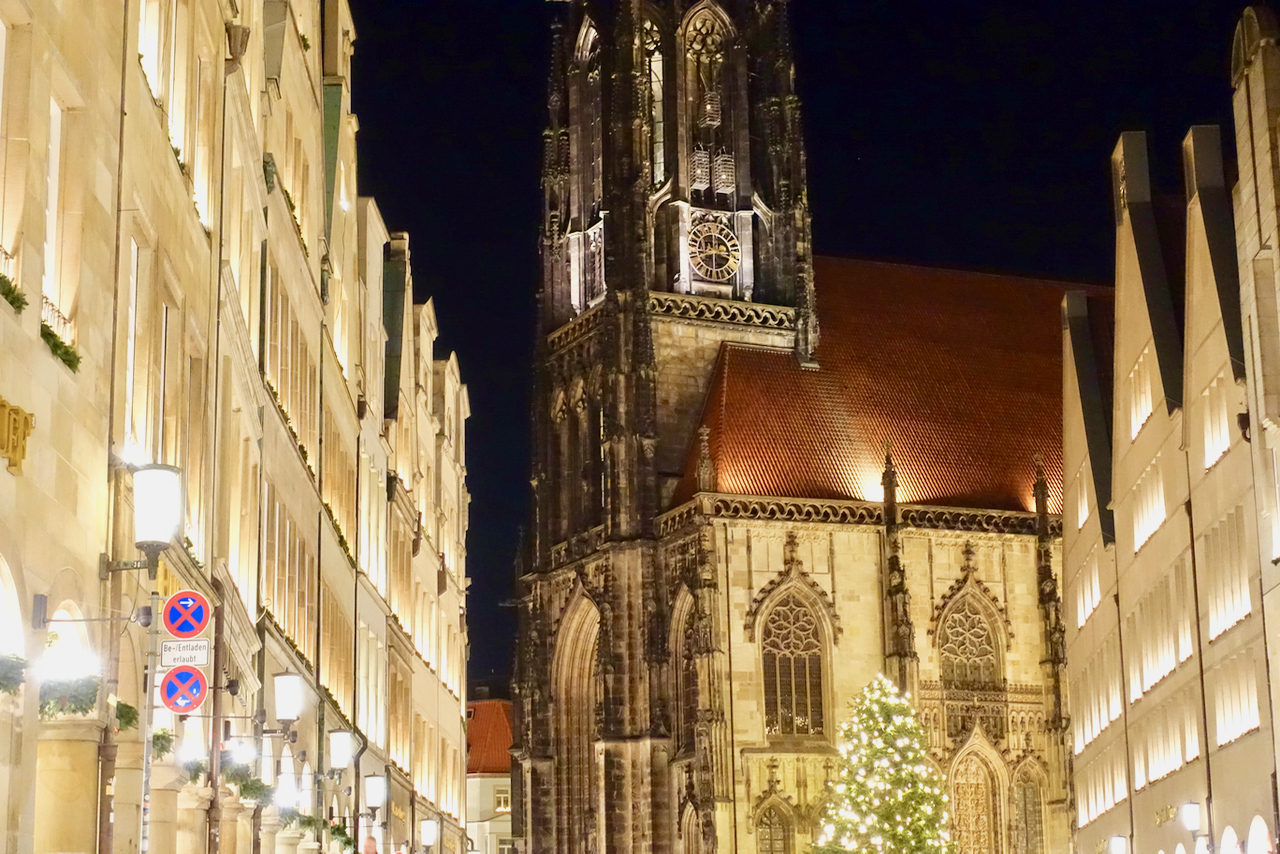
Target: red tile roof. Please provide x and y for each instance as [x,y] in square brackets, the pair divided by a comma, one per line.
[960,371]
[489,737]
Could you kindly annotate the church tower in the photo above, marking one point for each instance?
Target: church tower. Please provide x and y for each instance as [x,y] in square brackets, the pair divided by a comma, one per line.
[721,553]
[676,218]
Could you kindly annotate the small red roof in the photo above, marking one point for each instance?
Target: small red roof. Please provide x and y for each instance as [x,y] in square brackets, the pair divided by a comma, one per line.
[489,737]
[960,371]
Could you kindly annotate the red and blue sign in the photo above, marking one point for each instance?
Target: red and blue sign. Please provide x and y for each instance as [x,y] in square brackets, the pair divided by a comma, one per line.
[186,614]
[183,690]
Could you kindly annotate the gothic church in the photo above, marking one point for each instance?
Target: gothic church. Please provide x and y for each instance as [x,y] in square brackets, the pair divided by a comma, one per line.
[762,477]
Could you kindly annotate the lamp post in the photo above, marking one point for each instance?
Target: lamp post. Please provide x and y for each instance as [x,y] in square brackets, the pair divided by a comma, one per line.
[157,517]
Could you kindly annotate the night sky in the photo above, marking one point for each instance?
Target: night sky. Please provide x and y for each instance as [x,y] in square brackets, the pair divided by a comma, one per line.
[972,134]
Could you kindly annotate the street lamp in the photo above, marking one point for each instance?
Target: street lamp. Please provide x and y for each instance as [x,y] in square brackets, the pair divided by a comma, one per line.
[429,832]
[375,793]
[1189,816]
[340,752]
[157,519]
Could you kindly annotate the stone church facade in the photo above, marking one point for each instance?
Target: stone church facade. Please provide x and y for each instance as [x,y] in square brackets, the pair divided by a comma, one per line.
[761,477]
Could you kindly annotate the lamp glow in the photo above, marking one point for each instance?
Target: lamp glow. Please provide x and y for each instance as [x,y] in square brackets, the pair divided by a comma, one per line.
[375,790]
[1189,815]
[243,752]
[339,749]
[157,505]
[192,748]
[1117,845]
[286,796]
[430,831]
[288,696]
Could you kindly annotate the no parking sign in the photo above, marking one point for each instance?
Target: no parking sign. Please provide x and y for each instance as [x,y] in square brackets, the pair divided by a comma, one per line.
[186,614]
[183,690]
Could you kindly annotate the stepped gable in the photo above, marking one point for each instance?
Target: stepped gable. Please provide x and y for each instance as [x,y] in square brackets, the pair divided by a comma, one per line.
[961,371]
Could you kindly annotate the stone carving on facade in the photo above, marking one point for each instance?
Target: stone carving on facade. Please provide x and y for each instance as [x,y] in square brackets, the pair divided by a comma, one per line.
[792,574]
[969,585]
[715,310]
[706,465]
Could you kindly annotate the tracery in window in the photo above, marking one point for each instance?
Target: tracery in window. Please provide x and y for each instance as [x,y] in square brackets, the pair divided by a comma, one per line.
[968,648]
[1028,816]
[773,832]
[688,687]
[792,651]
[657,136]
[711,163]
[971,795]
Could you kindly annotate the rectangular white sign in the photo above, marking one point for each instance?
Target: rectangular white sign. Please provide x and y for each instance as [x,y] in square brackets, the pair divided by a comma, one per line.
[174,653]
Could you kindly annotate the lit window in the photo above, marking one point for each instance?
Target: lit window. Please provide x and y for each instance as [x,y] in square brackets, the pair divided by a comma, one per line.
[1148,505]
[1224,550]
[1217,432]
[502,800]
[1088,590]
[792,647]
[1140,403]
[1082,499]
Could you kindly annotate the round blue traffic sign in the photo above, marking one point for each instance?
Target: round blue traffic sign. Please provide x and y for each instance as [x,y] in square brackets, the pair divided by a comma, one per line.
[186,614]
[183,689]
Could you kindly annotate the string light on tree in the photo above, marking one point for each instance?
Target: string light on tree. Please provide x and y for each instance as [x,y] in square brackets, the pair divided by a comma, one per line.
[887,797]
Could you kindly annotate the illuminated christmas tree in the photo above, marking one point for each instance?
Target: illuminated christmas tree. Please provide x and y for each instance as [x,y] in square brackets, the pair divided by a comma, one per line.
[887,796]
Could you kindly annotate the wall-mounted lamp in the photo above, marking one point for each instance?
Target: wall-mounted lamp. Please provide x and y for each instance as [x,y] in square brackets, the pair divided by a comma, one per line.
[340,752]
[289,698]
[1189,817]
[157,517]
[429,831]
[1118,845]
[375,794]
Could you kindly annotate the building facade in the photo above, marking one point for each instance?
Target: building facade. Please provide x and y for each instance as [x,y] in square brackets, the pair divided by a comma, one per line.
[489,777]
[722,553]
[191,278]
[1166,641]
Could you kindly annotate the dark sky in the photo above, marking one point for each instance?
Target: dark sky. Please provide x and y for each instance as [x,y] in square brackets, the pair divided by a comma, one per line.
[972,134]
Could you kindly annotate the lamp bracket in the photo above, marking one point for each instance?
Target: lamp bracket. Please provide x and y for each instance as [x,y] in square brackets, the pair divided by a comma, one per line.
[106,566]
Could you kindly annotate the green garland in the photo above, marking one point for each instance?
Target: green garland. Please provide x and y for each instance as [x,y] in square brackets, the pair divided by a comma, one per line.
[161,743]
[69,697]
[11,294]
[12,673]
[126,716]
[195,769]
[337,832]
[243,777]
[65,352]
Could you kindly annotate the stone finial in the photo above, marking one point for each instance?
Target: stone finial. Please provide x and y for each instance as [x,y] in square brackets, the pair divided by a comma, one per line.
[706,466]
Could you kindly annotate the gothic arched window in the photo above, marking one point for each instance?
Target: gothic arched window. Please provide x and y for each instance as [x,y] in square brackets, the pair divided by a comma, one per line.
[711,164]
[773,832]
[972,798]
[967,647]
[688,687]
[1028,815]
[792,651]
[657,134]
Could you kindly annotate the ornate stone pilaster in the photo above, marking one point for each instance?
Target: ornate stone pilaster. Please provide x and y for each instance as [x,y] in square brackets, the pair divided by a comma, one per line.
[901,660]
[228,832]
[166,781]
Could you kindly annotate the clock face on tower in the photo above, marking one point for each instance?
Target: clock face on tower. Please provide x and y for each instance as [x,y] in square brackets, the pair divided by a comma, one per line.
[714,251]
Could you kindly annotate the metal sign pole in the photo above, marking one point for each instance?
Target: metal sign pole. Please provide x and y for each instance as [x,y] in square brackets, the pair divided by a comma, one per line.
[153,635]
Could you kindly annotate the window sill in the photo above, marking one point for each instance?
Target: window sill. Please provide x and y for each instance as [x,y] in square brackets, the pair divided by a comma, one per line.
[810,744]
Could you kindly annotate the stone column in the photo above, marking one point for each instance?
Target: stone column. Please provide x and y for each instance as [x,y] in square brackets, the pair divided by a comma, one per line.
[228,832]
[193,818]
[287,841]
[244,828]
[270,827]
[67,787]
[128,798]
[309,845]
[166,781]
